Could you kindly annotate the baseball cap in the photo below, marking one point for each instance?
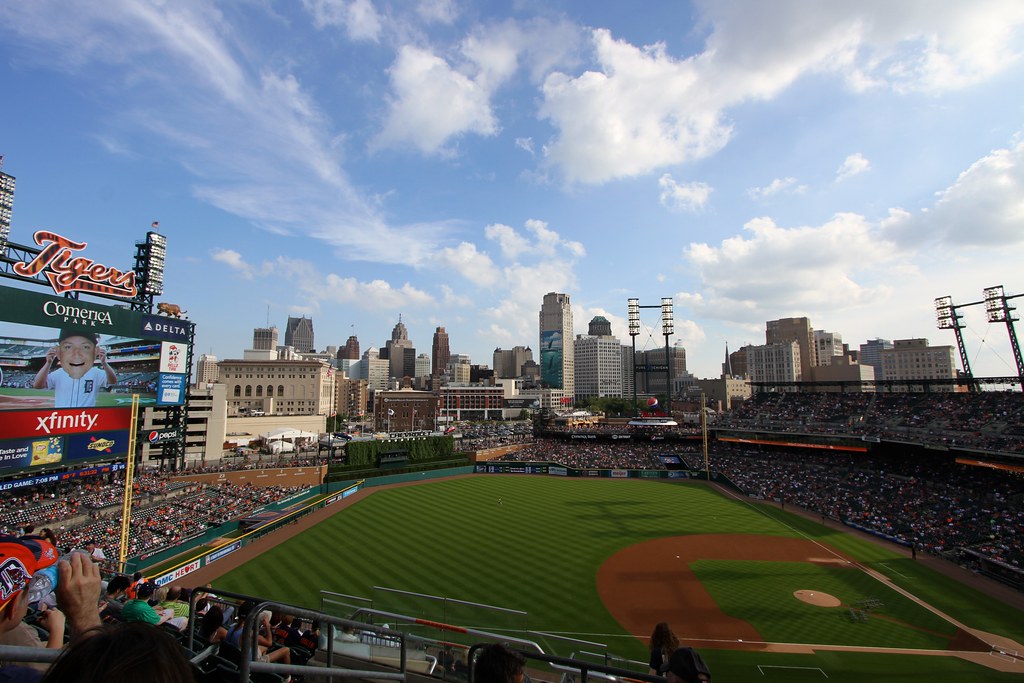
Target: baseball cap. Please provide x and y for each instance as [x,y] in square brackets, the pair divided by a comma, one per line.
[145,590]
[20,559]
[77,332]
[687,663]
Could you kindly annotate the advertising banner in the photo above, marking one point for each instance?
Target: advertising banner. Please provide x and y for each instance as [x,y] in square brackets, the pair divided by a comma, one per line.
[170,389]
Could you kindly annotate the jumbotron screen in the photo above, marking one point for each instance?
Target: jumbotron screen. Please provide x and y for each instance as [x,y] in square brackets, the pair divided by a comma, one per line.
[68,372]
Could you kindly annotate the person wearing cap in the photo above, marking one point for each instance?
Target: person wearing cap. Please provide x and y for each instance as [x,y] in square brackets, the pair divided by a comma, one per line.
[139,609]
[78,381]
[78,585]
[686,666]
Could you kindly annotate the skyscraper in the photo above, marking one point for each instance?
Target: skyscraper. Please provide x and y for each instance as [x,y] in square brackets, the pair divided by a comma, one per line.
[299,334]
[871,354]
[400,353]
[440,352]
[800,331]
[351,349]
[598,361]
[264,339]
[557,366]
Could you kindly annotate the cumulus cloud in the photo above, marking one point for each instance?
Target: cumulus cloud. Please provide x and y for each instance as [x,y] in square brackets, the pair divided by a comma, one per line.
[359,18]
[232,259]
[771,268]
[855,164]
[983,208]
[640,108]
[432,102]
[470,263]
[788,185]
[683,196]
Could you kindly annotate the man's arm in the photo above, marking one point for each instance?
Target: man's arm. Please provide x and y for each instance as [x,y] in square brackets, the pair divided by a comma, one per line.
[78,589]
[111,375]
[40,381]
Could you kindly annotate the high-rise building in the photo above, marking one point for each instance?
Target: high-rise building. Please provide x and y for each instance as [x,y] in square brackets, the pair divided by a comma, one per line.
[264,339]
[422,365]
[206,370]
[778,362]
[800,331]
[871,354]
[911,359]
[829,346]
[400,353]
[508,363]
[6,208]
[299,334]
[459,368]
[650,377]
[598,362]
[599,327]
[557,365]
[440,353]
[376,370]
[351,349]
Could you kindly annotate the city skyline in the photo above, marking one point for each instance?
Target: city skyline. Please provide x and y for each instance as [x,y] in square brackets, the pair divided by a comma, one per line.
[452,162]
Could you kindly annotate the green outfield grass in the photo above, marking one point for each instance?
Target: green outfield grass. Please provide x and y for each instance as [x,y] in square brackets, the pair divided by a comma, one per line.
[535,543]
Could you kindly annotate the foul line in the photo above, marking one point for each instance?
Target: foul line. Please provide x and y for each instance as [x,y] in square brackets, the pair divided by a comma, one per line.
[761,667]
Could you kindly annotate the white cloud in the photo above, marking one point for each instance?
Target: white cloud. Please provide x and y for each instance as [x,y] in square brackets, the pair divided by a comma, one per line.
[526,144]
[983,208]
[233,260]
[432,103]
[639,108]
[788,185]
[468,262]
[771,270]
[683,196]
[855,164]
[359,18]
[511,242]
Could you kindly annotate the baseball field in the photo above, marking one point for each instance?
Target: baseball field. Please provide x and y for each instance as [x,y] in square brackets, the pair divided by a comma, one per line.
[764,594]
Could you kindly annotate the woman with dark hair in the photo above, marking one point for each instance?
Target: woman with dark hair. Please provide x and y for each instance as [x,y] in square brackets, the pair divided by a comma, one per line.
[129,652]
[663,643]
[211,627]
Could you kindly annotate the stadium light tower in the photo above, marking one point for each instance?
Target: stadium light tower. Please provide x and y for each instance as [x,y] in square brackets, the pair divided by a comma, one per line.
[667,327]
[947,318]
[633,312]
[997,310]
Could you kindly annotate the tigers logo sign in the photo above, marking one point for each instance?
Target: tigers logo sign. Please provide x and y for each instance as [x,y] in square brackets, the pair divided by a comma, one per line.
[68,273]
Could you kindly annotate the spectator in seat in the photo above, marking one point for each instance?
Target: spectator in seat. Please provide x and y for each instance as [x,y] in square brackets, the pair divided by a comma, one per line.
[139,609]
[129,652]
[497,664]
[211,627]
[112,600]
[663,643]
[77,587]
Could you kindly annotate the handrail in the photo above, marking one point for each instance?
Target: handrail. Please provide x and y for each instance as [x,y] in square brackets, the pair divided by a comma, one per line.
[585,669]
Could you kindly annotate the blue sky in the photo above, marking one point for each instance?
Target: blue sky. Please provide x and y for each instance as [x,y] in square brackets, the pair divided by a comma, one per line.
[354,160]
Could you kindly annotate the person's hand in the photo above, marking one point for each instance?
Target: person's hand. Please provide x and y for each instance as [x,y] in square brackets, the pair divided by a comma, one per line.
[51,353]
[78,588]
[101,355]
[52,620]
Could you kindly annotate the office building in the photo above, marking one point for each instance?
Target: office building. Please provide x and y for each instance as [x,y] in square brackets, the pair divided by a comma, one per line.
[350,351]
[829,347]
[911,359]
[778,362]
[299,334]
[283,387]
[508,363]
[557,365]
[264,339]
[871,354]
[206,370]
[440,353]
[597,362]
[800,331]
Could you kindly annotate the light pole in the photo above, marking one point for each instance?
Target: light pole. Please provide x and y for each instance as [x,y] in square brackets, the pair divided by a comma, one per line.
[667,327]
[997,310]
[634,330]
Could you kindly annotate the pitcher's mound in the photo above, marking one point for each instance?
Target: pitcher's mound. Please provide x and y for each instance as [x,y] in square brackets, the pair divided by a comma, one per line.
[817,598]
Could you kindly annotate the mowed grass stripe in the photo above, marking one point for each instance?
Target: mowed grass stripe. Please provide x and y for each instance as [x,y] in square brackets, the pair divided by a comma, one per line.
[537,550]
